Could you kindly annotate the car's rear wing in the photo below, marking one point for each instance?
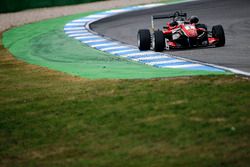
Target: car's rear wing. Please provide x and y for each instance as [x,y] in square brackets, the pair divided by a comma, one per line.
[167,16]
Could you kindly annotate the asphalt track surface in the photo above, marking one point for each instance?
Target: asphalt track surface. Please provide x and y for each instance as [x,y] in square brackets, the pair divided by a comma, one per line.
[234,15]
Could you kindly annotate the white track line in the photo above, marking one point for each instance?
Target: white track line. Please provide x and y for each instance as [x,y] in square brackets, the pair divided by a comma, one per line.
[75,24]
[79,35]
[87,37]
[74,28]
[105,44]
[165,62]
[150,58]
[116,11]
[98,16]
[77,31]
[123,51]
[182,66]
[113,48]
[153,5]
[97,40]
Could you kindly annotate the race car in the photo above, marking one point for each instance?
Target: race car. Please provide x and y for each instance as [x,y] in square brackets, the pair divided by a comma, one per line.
[180,32]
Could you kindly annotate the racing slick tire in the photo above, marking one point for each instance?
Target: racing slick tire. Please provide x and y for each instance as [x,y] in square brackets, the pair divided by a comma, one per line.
[158,42]
[218,32]
[144,39]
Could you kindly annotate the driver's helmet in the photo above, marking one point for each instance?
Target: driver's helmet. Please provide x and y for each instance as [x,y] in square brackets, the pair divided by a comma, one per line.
[194,19]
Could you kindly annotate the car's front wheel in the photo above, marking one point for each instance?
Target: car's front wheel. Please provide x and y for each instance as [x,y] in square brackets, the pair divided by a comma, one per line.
[218,32]
[158,43]
[144,39]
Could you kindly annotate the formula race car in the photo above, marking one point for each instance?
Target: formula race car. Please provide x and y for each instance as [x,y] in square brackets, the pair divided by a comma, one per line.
[180,32]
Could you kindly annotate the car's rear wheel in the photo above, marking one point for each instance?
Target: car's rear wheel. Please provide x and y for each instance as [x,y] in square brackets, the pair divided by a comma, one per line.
[144,39]
[158,42]
[218,32]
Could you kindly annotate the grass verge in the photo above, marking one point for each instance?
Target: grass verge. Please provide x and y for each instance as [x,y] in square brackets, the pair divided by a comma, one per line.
[52,119]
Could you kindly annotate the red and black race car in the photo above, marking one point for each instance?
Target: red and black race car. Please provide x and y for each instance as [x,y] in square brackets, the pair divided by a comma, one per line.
[180,32]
